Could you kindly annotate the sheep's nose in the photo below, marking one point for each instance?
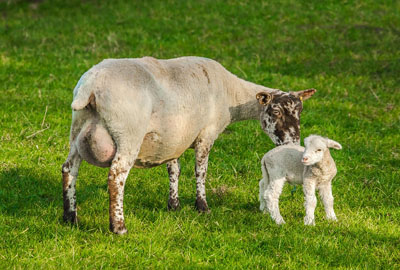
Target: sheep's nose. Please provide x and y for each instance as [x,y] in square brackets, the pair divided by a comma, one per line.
[305,159]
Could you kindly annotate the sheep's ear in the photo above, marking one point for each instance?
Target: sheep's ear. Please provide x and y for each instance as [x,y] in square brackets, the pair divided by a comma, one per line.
[304,94]
[264,98]
[333,144]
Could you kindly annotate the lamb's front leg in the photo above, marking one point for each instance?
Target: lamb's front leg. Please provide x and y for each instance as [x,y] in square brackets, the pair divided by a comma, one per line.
[70,173]
[202,149]
[325,192]
[174,171]
[116,183]
[310,201]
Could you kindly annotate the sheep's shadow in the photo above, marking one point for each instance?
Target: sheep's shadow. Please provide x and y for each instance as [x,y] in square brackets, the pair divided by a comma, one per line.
[23,190]
[27,192]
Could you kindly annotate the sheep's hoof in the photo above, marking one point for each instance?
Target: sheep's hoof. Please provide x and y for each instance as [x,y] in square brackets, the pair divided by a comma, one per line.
[118,228]
[70,217]
[173,204]
[201,206]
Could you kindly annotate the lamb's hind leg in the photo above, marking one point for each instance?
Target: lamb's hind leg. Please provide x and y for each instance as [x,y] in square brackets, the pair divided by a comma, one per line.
[202,149]
[271,196]
[261,195]
[174,171]
[70,173]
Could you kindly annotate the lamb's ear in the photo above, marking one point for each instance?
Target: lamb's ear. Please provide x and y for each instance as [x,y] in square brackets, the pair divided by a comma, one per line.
[304,94]
[264,98]
[333,144]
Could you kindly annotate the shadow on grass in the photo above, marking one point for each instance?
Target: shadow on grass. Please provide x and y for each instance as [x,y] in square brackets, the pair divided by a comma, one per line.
[23,190]
[330,245]
[27,192]
[347,253]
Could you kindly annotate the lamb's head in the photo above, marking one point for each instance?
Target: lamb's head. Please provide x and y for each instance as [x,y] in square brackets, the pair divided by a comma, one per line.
[280,115]
[315,148]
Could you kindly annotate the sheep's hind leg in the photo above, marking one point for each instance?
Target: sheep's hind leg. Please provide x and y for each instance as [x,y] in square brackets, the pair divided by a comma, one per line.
[271,196]
[70,170]
[261,196]
[325,192]
[202,149]
[174,171]
[119,171]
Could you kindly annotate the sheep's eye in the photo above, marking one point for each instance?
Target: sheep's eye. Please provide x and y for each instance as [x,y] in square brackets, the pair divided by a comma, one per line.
[319,150]
[276,112]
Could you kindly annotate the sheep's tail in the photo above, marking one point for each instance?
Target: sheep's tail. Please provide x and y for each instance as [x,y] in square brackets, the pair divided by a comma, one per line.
[83,95]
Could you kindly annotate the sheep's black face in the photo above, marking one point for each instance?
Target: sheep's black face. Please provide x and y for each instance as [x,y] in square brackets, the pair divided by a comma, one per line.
[280,119]
[280,116]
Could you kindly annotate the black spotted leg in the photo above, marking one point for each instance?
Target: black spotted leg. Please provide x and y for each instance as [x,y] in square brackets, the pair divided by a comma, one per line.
[70,173]
[202,149]
[174,171]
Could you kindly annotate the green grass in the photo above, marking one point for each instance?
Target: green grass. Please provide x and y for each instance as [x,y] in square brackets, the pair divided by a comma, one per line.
[348,50]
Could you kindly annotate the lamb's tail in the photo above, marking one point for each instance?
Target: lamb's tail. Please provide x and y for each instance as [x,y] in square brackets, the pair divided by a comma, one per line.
[264,172]
[83,96]
[263,185]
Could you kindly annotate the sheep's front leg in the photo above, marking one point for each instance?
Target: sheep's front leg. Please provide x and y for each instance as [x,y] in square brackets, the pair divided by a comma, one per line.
[310,201]
[70,173]
[202,149]
[325,192]
[271,196]
[116,183]
[174,171]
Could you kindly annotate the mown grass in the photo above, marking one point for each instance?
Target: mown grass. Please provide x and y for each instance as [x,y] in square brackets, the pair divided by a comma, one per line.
[348,50]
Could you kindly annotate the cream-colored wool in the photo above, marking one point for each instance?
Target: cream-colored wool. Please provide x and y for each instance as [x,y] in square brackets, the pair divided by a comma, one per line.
[146,112]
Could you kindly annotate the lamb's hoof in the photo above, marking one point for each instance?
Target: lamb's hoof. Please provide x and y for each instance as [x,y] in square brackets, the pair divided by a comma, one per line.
[70,217]
[173,204]
[118,228]
[309,221]
[332,218]
[201,206]
[280,221]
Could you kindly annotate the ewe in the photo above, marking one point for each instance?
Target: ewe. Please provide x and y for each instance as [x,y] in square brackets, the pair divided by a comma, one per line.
[147,112]
[312,166]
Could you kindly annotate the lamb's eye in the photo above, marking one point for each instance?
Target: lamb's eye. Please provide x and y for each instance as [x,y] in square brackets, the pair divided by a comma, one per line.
[276,112]
[319,150]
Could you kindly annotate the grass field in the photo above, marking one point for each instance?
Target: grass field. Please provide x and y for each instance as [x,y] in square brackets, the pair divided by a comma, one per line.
[348,50]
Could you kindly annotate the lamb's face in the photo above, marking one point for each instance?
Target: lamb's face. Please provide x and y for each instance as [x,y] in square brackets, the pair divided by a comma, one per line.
[280,116]
[315,148]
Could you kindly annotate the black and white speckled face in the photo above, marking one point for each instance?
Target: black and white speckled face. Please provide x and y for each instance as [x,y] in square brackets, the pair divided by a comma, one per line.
[280,116]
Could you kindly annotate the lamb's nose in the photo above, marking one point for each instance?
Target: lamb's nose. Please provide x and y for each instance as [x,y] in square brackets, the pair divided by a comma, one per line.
[305,159]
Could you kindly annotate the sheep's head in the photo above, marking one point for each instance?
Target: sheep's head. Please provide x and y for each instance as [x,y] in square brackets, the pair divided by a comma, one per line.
[315,148]
[280,115]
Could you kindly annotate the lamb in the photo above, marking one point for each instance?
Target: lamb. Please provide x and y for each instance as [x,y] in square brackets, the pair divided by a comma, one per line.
[145,112]
[312,166]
